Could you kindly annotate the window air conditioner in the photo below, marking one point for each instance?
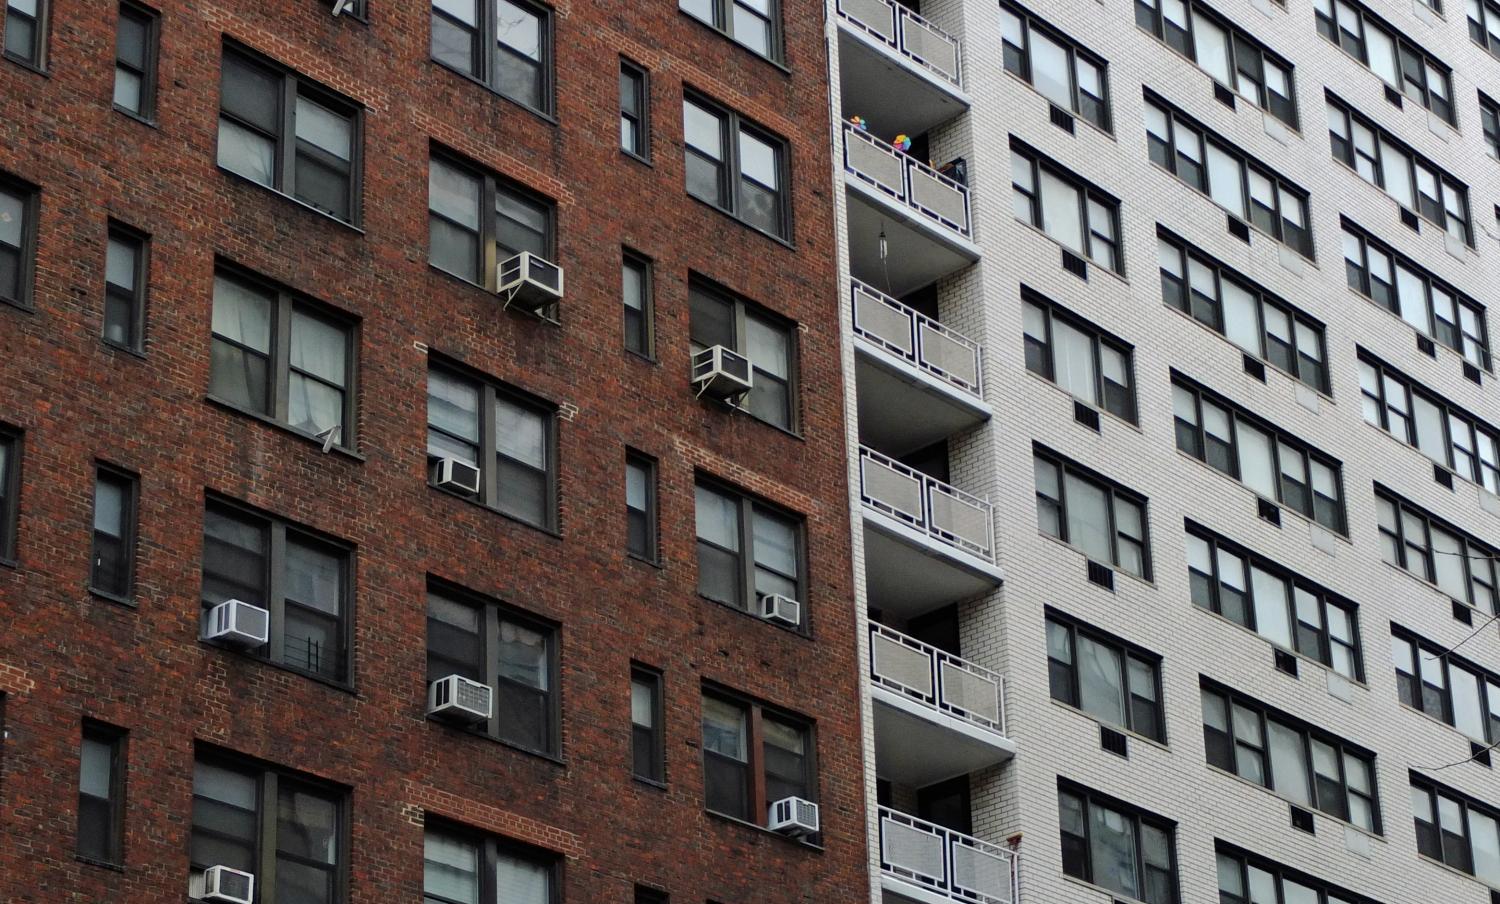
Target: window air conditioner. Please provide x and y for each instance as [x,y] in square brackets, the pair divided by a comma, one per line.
[530,282]
[453,474]
[794,816]
[721,373]
[777,608]
[457,699]
[224,886]
[238,624]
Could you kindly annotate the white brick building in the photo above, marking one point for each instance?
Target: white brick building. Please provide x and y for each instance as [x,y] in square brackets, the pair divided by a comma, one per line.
[948,544]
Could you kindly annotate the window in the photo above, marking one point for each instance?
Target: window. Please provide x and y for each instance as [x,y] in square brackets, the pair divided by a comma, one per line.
[647,895]
[17,240]
[635,110]
[1116,846]
[506,44]
[755,24]
[1079,357]
[1059,68]
[640,506]
[289,134]
[135,60]
[1426,303]
[26,31]
[718,317]
[1241,311]
[1275,602]
[1489,118]
[747,550]
[1309,767]
[304,581]
[1072,212]
[464,867]
[509,437]
[1111,680]
[477,221]
[1273,464]
[1416,183]
[1432,550]
[648,752]
[1484,25]
[1400,63]
[1457,830]
[125,288]
[10,491]
[1226,52]
[283,357]
[753,757]
[736,166]
[1446,687]
[1105,521]
[512,653]
[112,571]
[1245,878]
[637,290]
[267,822]
[1447,434]
[1243,186]
[101,794]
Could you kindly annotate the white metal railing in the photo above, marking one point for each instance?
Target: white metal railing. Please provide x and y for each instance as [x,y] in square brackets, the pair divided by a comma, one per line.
[907,180]
[937,678]
[917,338]
[906,33]
[945,513]
[947,862]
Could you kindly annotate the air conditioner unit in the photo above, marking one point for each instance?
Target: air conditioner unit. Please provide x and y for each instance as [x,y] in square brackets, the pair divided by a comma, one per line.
[777,608]
[794,816]
[721,373]
[223,885]
[238,624]
[530,282]
[452,474]
[457,699]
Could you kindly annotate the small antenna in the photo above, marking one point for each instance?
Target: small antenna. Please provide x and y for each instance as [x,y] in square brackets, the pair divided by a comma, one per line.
[330,437]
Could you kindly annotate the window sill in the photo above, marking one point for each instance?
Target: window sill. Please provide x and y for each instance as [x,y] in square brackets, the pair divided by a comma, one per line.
[549,118]
[494,296]
[1073,398]
[1439,227]
[644,358]
[552,532]
[1114,568]
[654,563]
[27,65]
[554,759]
[1450,729]
[651,783]
[1093,264]
[346,687]
[1114,896]
[1374,835]
[125,349]
[124,601]
[1285,509]
[798,631]
[729,214]
[282,426]
[323,214]
[1453,869]
[1476,612]
[100,864]
[1325,393]
[638,158]
[1294,129]
[1310,257]
[21,306]
[147,121]
[1070,111]
[9,563]
[1321,666]
[1160,745]
[736,821]
[781,67]
[1488,368]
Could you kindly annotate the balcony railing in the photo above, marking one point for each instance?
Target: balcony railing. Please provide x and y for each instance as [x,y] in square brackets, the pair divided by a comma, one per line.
[946,862]
[916,338]
[907,180]
[945,513]
[937,678]
[906,33]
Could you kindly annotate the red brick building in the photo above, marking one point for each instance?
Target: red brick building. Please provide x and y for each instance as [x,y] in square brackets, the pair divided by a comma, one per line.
[261,341]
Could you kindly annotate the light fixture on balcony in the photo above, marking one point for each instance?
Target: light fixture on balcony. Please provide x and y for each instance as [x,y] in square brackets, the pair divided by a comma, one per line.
[882,243]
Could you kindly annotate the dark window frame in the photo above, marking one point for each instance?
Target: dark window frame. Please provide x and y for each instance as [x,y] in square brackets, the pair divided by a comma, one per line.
[150,21]
[731,174]
[1099,340]
[1215,590]
[491,186]
[650,514]
[36,58]
[1479,471]
[1489,120]
[1283,447]
[491,391]
[1137,816]
[645,337]
[493,614]
[1088,193]
[1210,311]
[484,54]
[645,894]
[755,713]
[130,527]
[723,19]
[742,310]
[135,297]
[1486,31]
[115,739]
[1406,548]
[652,679]
[1074,50]
[749,505]
[274,532]
[1414,84]
[490,846]
[1467,806]
[30,201]
[1428,688]
[1128,654]
[640,118]
[11,441]
[1112,490]
[1244,861]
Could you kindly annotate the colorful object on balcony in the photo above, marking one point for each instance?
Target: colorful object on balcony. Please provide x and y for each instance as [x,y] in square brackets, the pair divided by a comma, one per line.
[859,123]
[902,142]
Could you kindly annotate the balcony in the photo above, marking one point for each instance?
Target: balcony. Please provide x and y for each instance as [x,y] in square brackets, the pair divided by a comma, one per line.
[897,68]
[936,716]
[928,864]
[922,214]
[927,544]
[919,382]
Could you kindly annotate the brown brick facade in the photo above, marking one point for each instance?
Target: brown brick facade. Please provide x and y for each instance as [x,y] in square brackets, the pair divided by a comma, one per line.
[67,655]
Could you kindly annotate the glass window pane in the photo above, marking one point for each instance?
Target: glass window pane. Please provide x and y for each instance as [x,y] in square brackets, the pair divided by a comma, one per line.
[1289,763]
[1099,680]
[1088,519]
[1073,354]
[724,729]
[323,128]
[1112,849]
[1061,212]
[1049,70]
[718,518]
[521,880]
[703,130]
[1271,607]
[454,194]
[521,433]
[450,868]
